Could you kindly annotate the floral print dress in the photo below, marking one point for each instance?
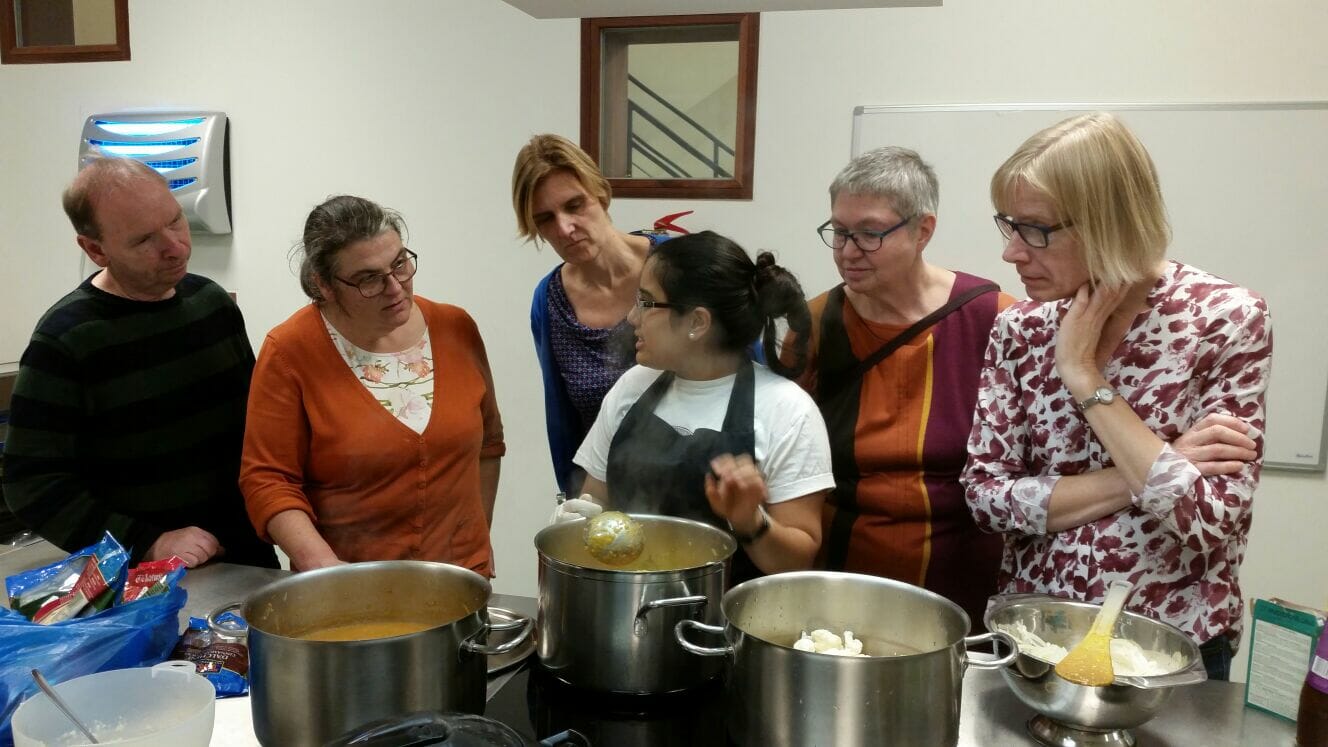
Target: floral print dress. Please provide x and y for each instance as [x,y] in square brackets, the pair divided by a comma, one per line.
[402,382]
[1204,346]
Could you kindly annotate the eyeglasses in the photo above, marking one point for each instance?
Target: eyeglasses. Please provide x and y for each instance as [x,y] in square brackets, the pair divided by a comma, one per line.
[402,269]
[867,241]
[1032,234]
[644,303]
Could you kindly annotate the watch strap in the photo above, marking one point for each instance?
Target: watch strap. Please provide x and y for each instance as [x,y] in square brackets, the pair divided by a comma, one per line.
[759,532]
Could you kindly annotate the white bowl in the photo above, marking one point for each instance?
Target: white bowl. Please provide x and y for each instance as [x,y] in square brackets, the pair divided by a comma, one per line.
[163,706]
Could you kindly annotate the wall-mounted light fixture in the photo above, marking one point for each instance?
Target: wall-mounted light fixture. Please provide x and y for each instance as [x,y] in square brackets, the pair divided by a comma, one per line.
[190,149]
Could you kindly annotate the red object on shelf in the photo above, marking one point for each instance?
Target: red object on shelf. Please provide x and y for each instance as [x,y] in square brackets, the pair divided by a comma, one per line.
[666,223]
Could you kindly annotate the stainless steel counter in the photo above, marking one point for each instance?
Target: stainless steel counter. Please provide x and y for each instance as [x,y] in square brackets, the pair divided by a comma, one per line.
[1207,715]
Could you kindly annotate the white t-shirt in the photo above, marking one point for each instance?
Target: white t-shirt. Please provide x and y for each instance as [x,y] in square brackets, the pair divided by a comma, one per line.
[792,447]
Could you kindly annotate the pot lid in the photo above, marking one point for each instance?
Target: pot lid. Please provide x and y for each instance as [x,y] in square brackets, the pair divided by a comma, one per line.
[432,728]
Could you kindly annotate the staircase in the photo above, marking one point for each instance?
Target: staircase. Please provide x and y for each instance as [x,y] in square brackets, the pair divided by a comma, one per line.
[665,143]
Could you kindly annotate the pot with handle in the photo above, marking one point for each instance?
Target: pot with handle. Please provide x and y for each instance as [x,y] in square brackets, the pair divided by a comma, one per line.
[306,692]
[610,628]
[906,691]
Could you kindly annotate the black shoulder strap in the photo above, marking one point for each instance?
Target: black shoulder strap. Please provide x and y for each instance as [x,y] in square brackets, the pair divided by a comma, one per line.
[917,327]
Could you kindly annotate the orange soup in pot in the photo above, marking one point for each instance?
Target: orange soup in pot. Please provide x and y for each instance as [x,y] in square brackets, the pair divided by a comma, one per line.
[364,631]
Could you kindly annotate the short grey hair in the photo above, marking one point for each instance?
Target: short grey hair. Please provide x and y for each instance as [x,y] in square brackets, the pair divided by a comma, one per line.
[897,175]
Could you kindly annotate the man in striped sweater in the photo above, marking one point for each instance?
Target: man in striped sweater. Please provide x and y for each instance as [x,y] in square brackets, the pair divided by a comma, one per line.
[128,412]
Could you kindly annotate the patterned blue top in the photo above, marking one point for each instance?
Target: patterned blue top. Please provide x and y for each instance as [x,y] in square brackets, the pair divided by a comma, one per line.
[589,359]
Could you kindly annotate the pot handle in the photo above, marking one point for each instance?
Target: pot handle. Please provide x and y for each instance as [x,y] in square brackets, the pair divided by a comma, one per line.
[639,625]
[228,629]
[1000,661]
[680,633]
[472,645]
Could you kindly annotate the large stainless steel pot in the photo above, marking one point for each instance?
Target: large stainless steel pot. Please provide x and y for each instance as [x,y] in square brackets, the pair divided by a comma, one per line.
[611,628]
[906,693]
[306,692]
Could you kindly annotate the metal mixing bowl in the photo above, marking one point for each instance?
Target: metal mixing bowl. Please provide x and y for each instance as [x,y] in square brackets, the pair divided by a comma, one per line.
[1124,704]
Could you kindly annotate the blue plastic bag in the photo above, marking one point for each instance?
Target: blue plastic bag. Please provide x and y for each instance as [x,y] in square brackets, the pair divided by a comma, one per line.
[138,634]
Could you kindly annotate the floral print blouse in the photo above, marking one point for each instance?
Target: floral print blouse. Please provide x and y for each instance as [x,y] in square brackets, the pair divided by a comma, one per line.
[1204,346]
[402,382]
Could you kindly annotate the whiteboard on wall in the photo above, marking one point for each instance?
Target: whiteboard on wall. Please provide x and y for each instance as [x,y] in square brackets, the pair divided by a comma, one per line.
[1246,186]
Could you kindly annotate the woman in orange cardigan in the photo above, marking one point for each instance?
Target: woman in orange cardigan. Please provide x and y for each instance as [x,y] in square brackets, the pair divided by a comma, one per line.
[373,432]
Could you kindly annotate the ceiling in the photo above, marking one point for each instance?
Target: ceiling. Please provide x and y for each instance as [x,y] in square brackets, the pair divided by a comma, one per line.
[611,8]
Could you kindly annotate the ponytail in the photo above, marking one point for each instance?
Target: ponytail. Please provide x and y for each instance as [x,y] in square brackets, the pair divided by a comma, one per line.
[779,295]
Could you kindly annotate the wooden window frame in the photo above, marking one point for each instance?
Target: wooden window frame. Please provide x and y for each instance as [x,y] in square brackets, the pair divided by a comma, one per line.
[737,188]
[12,54]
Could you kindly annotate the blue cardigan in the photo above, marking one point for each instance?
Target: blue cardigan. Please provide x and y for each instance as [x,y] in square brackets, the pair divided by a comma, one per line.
[565,431]
[560,417]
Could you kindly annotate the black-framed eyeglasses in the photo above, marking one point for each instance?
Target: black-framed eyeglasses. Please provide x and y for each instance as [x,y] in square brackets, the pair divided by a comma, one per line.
[644,303]
[403,269]
[1032,234]
[867,241]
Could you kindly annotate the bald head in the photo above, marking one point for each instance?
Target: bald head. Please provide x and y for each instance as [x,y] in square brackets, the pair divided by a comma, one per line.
[94,181]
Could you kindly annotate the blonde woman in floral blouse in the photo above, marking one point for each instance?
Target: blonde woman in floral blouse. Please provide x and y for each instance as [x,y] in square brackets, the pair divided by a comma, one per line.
[373,429]
[1118,431]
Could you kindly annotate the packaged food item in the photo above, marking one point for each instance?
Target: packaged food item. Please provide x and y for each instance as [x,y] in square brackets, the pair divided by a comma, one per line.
[221,655]
[80,585]
[151,577]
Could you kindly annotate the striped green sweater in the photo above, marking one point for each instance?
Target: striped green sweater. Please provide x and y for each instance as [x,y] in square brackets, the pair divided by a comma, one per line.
[128,416]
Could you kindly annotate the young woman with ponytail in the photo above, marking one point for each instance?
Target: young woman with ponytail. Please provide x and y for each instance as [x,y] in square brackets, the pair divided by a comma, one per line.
[697,429]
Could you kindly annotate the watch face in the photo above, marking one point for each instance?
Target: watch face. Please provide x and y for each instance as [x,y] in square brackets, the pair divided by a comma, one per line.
[1105,396]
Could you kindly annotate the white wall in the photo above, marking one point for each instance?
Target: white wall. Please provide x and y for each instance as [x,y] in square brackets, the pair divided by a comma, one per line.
[422,105]
[419,105]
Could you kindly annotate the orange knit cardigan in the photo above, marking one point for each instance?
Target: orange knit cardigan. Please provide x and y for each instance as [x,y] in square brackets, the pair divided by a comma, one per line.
[317,441]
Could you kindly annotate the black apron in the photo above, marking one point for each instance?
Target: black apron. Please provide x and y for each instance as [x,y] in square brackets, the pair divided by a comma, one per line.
[654,469]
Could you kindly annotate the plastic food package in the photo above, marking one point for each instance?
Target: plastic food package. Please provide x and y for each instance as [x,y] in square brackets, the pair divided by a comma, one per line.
[80,585]
[221,657]
[151,577]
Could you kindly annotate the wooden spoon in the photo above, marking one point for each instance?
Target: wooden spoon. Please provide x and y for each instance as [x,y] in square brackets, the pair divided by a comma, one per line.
[1089,662]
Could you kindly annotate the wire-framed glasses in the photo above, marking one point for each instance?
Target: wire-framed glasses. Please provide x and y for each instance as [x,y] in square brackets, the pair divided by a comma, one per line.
[403,269]
[1032,234]
[867,241]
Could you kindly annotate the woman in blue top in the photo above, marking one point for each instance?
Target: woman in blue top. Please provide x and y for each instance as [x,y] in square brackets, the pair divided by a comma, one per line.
[579,313]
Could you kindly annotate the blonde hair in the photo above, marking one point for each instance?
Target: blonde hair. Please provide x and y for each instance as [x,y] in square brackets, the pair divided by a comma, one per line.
[542,156]
[1104,186]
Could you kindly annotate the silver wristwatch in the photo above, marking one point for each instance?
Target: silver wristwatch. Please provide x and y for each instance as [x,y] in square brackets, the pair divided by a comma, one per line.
[1103,396]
